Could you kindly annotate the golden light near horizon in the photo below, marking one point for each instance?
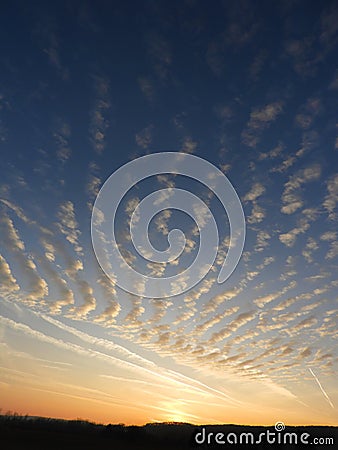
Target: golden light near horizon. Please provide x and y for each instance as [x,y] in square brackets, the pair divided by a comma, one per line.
[177,416]
[174,412]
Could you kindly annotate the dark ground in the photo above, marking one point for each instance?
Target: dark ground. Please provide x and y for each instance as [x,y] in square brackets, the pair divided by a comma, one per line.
[18,432]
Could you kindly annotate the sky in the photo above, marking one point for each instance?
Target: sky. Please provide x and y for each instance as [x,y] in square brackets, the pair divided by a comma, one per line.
[251,87]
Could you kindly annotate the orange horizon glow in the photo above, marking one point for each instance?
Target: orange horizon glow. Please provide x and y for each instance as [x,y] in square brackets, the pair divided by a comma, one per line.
[73,390]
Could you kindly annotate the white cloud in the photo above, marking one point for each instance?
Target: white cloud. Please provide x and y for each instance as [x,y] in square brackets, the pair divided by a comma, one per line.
[218,299]
[257,214]
[262,301]
[333,251]
[256,191]
[93,185]
[99,122]
[260,119]
[331,198]
[291,196]
[68,224]
[289,238]
[61,137]
[241,320]
[36,288]
[160,52]
[144,137]
[147,88]
[89,303]
[8,283]
[272,154]
[262,241]
[189,145]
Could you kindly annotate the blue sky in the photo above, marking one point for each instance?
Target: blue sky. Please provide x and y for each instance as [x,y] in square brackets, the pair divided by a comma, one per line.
[249,86]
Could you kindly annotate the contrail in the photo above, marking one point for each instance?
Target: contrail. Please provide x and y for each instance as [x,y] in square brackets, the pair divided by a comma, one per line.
[321,388]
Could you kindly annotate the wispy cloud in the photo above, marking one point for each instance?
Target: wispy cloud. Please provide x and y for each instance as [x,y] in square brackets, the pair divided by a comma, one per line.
[260,119]
[68,225]
[144,137]
[291,197]
[321,388]
[99,122]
